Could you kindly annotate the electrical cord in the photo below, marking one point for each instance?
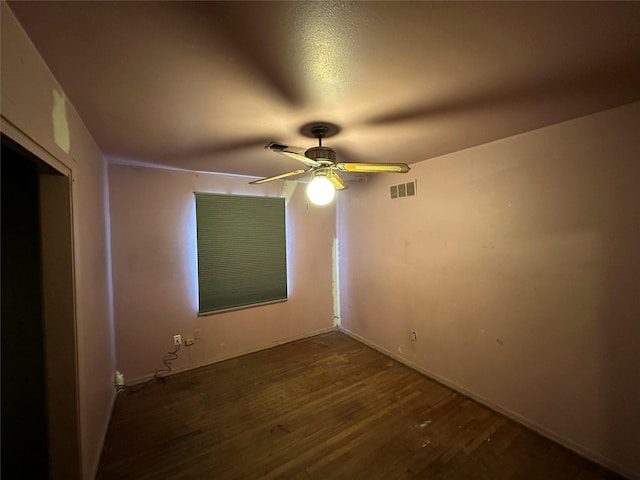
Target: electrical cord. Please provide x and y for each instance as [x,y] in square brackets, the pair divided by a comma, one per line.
[167,361]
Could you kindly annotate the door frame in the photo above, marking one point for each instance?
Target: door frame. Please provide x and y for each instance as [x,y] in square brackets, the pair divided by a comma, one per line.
[59,304]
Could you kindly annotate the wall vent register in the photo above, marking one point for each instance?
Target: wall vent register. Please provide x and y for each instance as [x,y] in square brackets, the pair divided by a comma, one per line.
[403,189]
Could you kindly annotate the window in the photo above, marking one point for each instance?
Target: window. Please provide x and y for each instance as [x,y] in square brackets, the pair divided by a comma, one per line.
[242,254]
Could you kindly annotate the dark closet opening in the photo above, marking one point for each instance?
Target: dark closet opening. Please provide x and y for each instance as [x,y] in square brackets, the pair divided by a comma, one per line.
[24,410]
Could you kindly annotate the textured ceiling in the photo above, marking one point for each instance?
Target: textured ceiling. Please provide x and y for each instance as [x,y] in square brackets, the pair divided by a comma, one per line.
[205,85]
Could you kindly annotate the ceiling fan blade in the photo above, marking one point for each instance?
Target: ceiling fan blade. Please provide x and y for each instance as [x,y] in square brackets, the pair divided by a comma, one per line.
[276,177]
[337,182]
[374,167]
[297,153]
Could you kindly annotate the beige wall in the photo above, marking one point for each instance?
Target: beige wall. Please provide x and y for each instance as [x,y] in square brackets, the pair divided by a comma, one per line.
[518,265]
[36,113]
[154,271]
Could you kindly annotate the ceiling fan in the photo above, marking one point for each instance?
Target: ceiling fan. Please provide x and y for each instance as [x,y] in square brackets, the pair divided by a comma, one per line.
[321,162]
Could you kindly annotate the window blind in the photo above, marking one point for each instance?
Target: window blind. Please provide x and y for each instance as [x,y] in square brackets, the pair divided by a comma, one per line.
[242,254]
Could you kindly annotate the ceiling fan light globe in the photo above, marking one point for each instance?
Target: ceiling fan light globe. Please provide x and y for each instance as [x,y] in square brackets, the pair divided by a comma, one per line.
[320,191]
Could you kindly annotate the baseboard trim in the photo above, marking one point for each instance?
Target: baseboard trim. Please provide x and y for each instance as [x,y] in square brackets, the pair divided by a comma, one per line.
[295,338]
[565,442]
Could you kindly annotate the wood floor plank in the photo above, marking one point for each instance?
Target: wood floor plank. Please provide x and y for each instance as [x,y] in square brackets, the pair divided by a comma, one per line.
[327,407]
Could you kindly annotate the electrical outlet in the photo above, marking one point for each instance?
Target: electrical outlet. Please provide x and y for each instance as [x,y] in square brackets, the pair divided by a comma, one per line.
[188,342]
[177,340]
[196,334]
[414,335]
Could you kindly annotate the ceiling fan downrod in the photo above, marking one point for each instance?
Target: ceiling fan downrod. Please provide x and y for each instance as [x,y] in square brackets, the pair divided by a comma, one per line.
[319,131]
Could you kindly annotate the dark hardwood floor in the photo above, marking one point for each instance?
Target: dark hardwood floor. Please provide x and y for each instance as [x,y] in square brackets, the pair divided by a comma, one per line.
[326,407]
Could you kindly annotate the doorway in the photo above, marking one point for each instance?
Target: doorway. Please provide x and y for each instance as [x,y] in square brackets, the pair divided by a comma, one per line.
[24,427]
[40,431]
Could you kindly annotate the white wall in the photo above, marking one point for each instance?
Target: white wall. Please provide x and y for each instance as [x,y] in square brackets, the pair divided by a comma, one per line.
[36,113]
[518,264]
[154,271]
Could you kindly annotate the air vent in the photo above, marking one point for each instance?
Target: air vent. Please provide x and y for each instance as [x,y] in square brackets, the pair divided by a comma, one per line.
[403,190]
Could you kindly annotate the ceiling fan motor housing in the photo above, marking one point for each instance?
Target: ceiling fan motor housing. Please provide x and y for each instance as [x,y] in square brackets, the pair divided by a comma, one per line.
[321,154]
